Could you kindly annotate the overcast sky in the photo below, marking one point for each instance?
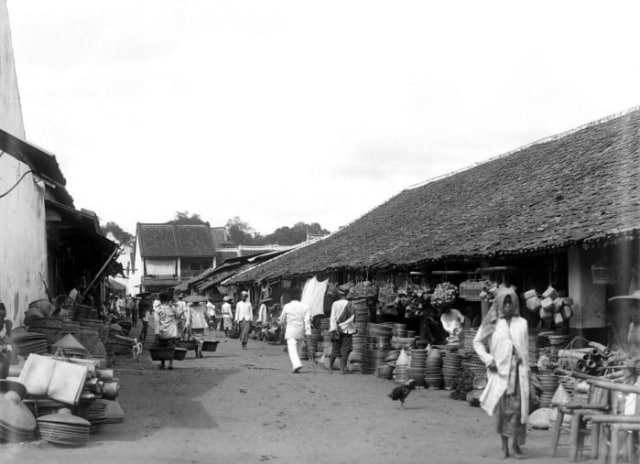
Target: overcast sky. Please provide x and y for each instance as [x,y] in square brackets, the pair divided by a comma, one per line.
[286,111]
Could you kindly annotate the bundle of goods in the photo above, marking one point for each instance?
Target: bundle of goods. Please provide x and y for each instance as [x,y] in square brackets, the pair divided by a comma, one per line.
[362,291]
[50,327]
[587,357]
[550,305]
[16,421]
[433,369]
[471,289]
[416,300]
[386,295]
[451,367]
[444,295]
[63,428]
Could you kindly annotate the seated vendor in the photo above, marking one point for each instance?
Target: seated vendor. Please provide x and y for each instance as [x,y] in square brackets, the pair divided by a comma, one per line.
[452,319]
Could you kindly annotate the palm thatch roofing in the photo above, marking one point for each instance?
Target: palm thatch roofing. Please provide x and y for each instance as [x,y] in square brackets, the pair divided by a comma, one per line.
[577,187]
[175,241]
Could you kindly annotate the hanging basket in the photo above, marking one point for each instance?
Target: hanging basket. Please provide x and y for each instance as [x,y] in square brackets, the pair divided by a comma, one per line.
[601,273]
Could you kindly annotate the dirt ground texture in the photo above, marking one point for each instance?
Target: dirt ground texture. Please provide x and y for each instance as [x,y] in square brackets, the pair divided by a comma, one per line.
[245,406]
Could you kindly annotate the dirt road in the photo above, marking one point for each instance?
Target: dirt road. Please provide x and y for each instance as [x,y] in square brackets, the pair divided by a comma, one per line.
[245,406]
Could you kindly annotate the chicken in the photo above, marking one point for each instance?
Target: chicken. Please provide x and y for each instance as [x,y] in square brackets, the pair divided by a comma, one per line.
[401,392]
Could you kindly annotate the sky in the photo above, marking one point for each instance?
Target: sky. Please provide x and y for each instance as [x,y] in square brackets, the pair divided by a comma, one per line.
[287,111]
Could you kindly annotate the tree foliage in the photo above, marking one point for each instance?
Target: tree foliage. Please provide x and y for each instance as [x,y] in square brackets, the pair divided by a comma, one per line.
[242,233]
[183,217]
[296,234]
[120,234]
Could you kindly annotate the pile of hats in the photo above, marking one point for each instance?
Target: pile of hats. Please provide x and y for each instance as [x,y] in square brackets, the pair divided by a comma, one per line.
[16,421]
[63,428]
[467,338]
[95,411]
[451,368]
[30,342]
[50,327]
[433,369]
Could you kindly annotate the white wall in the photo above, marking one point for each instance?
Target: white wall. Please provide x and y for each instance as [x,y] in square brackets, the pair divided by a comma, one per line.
[23,249]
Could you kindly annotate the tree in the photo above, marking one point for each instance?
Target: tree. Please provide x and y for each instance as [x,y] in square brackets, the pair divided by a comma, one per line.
[294,235]
[241,232]
[120,235]
[183,217]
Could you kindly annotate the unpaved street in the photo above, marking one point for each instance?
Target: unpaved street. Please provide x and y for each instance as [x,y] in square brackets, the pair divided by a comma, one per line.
[246,406]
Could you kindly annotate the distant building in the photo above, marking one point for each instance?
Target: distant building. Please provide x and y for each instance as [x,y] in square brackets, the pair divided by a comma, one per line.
[167,254]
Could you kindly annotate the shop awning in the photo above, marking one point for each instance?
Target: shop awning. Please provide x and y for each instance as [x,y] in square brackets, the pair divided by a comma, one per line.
[41,162]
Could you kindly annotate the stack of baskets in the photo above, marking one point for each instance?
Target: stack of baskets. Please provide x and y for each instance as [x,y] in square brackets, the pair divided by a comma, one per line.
[357,356]
[451,368]
[400,374]
[378,346]
[417,366]
[399,330]
[549,383]
[467,339]
[433,370]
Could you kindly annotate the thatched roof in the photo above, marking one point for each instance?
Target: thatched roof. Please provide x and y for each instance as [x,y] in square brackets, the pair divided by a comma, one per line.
[175,241]
[572,188]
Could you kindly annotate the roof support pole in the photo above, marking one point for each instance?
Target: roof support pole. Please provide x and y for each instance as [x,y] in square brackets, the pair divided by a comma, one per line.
[102,269]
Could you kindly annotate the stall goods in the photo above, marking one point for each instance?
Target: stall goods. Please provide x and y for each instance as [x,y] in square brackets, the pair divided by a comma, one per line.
[16,421]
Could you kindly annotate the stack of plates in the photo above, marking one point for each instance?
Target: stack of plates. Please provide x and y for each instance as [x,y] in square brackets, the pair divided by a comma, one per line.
[30,342]
[433,369]
[63,428]
[451,367]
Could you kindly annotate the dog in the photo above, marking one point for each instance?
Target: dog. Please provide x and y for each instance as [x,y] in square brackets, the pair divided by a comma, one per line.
[136,349]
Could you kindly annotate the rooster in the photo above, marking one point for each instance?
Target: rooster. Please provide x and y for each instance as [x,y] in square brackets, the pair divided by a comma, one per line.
[136,349]
[401,392]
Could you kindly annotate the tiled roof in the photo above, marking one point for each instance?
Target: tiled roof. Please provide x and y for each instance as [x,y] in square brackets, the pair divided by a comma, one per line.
[175,241]
[573,188]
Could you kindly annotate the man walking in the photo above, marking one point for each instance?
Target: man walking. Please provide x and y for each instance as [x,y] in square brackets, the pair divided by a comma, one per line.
[342,327]
[297,318]
[244,316]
